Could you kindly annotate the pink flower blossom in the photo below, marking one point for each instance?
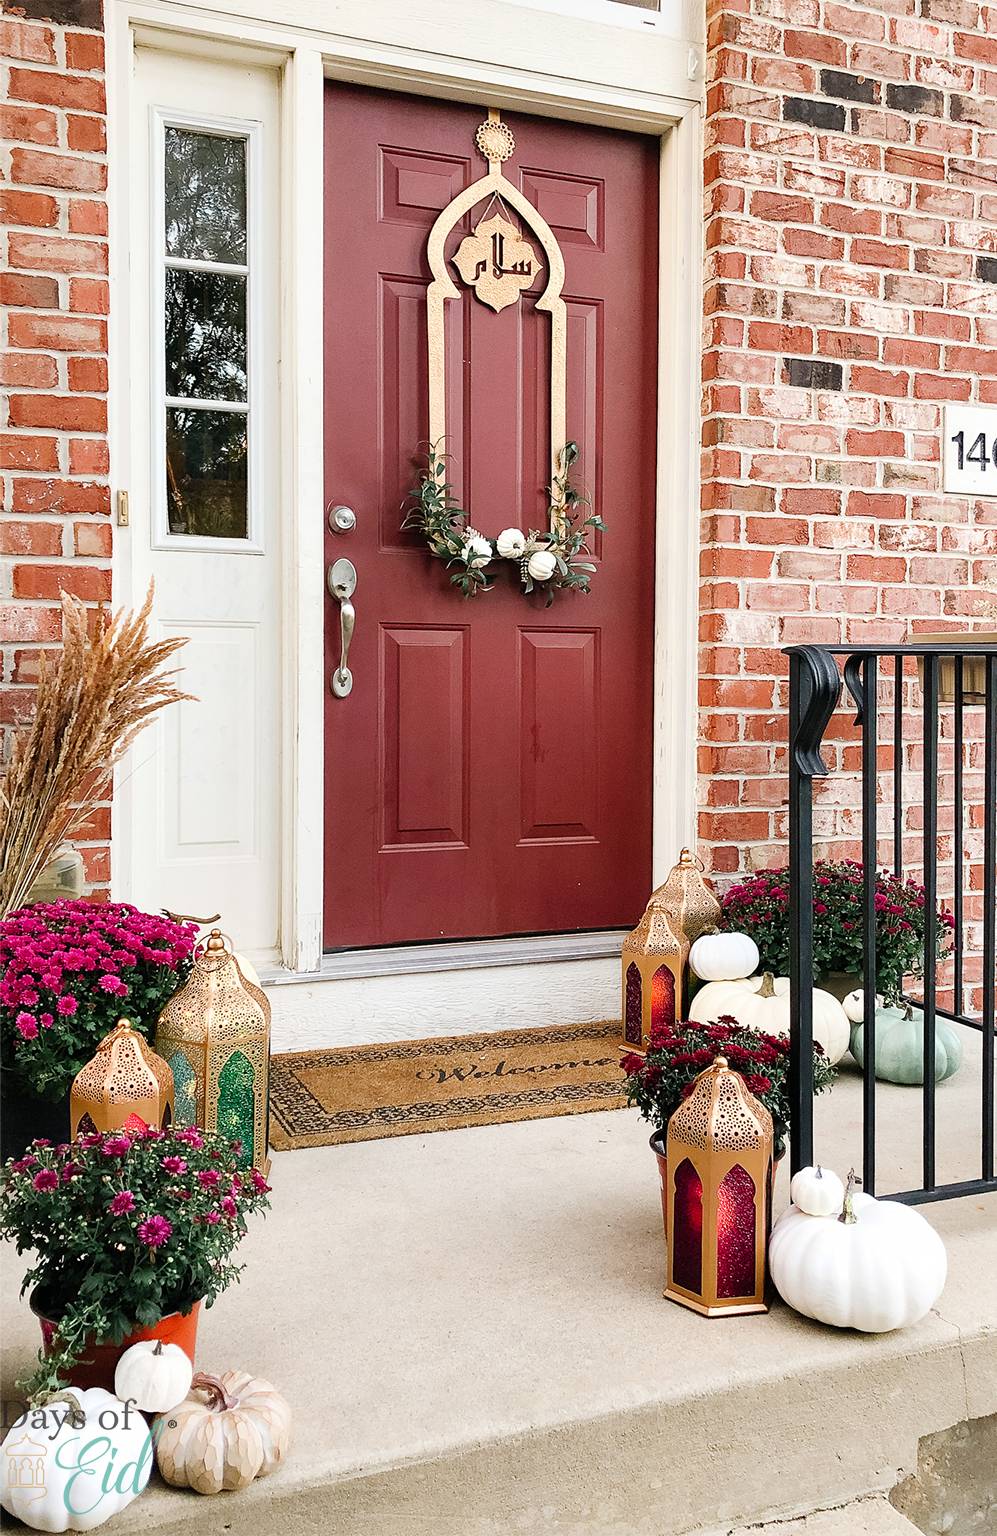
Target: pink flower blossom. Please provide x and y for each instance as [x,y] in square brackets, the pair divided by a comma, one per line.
[114,985]
[66,1004]
[154,1231]
[45,1020]
[190,1136]
[70,1171]
[122,1203]
[26,1026]
[46,1178]
[174,1164]
[212,1218]
[22,1164]
[117,1146]
[209,1177]
[228,1206]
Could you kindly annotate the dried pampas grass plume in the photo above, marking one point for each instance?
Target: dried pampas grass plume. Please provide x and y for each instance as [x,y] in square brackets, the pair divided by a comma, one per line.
[88,711]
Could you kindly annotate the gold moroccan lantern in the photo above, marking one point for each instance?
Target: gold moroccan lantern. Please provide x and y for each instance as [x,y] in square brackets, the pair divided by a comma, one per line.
[719,1158]
[688,899]
[654,958]
[125,1086]
[215,1034]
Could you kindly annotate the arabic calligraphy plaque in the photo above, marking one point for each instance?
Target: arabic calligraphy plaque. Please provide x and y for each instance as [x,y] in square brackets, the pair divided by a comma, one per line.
[497,262]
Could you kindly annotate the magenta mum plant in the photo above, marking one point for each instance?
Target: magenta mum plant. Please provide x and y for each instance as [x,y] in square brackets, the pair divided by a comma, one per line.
[125,1228]
[759,906]
[70,971]
[677,1053]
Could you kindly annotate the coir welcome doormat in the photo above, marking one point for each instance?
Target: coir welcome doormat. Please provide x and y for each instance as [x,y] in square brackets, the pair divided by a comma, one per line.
[359,1093]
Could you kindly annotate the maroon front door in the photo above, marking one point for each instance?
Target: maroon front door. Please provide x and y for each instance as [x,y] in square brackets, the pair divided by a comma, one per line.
[490,771]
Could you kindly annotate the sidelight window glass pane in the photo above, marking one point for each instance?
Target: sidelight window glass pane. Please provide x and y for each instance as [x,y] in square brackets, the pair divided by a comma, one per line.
[205,335]
[205,196]
[206,473]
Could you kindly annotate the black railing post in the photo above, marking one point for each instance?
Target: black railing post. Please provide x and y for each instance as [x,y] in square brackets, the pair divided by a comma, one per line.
[958,816]
[989,912]
[870,863]
[814,690]
[930,834]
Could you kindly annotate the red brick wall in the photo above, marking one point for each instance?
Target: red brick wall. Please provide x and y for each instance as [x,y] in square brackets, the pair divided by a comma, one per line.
[55,530]
[851,231]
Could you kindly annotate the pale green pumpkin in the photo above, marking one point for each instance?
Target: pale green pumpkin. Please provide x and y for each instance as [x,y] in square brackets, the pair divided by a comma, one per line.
[900,1046]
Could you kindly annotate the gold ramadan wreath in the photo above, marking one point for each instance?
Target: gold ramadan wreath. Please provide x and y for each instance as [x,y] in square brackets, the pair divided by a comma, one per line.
[500,264]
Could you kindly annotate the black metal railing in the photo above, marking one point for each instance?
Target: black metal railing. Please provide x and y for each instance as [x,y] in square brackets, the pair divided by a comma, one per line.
[957,684]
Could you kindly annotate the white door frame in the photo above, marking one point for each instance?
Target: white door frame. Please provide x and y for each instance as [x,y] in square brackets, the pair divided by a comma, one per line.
[483,52]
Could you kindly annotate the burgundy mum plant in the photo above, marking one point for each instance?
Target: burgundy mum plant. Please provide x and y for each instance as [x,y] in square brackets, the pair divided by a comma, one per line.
[760,907]
[125,1229]
[70,970]
[677,1053]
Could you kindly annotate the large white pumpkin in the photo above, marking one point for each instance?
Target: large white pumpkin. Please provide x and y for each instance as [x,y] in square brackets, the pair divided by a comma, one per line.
[762,1003]
[880,1271]
[64,1473]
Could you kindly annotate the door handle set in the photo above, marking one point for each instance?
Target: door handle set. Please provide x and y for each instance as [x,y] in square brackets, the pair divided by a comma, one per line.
[341,578]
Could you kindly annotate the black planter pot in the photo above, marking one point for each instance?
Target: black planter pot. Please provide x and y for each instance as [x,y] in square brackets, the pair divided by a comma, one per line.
[24,1120]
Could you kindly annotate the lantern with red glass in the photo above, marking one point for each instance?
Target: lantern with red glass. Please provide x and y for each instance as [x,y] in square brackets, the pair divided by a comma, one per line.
[719,1196]
[654,959]
[125,1086]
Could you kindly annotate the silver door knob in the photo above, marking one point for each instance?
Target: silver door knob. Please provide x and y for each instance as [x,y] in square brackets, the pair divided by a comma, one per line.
[342,519]
[342,581]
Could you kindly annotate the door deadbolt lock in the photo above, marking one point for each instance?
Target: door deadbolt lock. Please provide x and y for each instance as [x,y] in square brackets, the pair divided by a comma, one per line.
[342,519]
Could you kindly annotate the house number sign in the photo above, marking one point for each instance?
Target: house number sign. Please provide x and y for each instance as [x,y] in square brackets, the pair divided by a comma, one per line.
[969,449]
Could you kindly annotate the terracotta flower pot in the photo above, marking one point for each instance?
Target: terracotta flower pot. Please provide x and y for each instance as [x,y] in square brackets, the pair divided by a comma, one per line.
[657,1144]
[97,1369]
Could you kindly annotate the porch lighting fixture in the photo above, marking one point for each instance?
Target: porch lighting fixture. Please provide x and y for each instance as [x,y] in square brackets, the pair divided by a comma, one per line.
[654,959]
[124,1086]
[719,1155]
[215,1034]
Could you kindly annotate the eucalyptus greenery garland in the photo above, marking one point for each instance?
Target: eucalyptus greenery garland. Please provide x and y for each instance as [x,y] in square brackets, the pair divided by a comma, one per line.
[547,560]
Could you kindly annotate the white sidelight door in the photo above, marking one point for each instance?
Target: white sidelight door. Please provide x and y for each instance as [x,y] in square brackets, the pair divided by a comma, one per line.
[198,808]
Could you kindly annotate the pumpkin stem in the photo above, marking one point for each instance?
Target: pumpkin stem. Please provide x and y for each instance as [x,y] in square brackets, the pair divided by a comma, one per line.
[908,1013]
[218,1398]
[77,1418]
[767,988]
[159,1347]
[820,1171]
[848,1215]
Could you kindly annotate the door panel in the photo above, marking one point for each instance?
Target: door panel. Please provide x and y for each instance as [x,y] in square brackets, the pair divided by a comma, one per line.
[425,736]
[559,768]
[490,772]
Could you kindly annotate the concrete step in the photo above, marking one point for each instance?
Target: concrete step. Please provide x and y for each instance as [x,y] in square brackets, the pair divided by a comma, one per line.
[471,1331]
[862,1517]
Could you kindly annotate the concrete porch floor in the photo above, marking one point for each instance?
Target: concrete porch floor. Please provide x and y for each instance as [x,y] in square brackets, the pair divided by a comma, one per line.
[471,1332]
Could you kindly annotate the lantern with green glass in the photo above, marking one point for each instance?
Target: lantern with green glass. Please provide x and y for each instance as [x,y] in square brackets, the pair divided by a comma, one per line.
[215,1035]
